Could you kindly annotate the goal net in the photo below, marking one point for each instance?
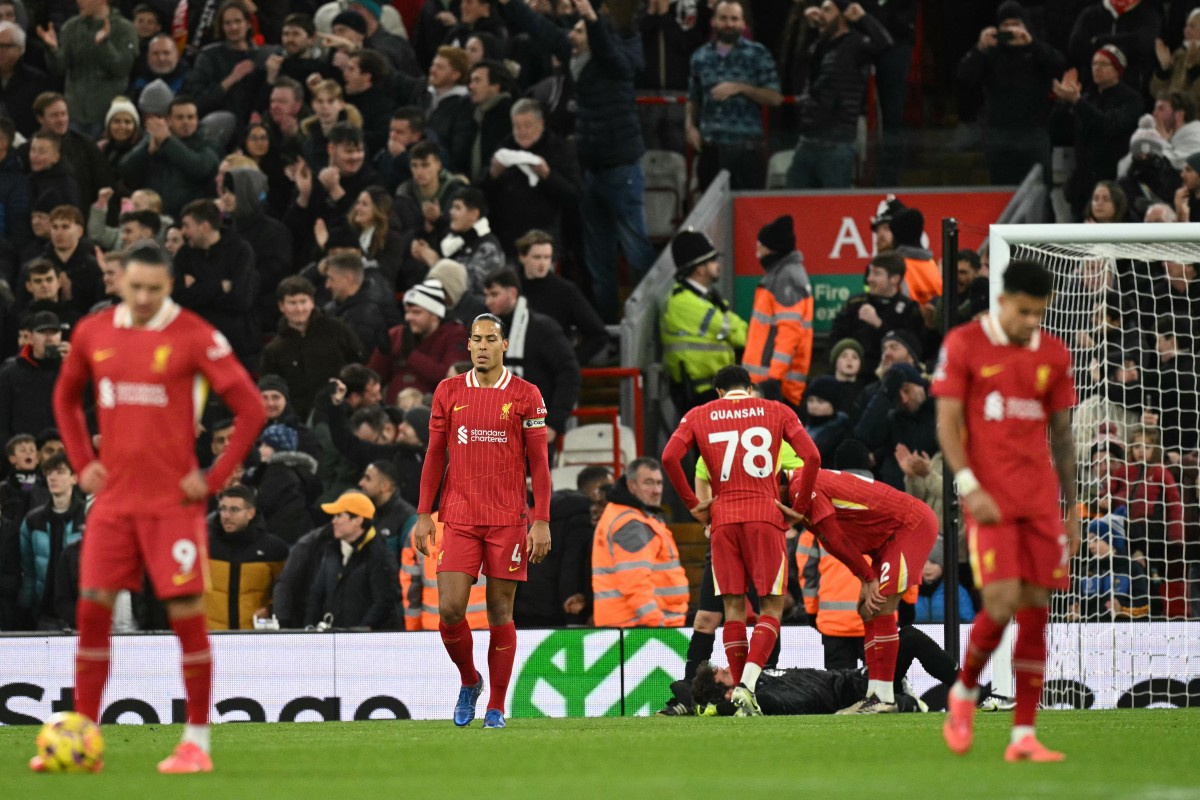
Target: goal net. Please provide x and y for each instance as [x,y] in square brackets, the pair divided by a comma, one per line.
[1127,304]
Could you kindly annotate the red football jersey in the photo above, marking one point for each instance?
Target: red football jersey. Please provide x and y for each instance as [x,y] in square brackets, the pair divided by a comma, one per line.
[1008,394]
[150,386]
[739,436]
[869,512]
[487,431]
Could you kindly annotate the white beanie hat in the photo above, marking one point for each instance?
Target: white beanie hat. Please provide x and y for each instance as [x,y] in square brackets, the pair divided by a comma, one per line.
[428,295]
[122,104]
[1146,139]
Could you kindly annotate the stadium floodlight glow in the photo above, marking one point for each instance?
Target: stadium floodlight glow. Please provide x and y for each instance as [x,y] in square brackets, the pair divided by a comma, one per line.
[1117,305]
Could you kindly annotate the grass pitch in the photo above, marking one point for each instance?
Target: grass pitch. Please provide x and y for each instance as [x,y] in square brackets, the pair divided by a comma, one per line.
[1111,754]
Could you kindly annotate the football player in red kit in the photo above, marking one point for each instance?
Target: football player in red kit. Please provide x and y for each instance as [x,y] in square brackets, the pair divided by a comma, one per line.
[485,424]
[739,436]
[149,363]
[855,516]
[1000,383]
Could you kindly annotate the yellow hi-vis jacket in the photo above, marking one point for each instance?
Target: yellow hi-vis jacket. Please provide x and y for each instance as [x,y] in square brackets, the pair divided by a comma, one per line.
[418,584]
[779,341]
[698,336]
[636,575]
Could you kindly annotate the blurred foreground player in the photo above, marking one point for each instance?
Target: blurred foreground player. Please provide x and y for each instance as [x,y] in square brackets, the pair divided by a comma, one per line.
[740,435]
[485,423]
[149,361]
[1000,381]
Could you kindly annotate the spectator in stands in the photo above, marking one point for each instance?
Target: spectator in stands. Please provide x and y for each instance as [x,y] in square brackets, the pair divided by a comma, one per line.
[1175,72]
[143,220]
[399,53]
[931,600]
[672,30]
[1130,26]
[384,249]
[825,424]
[1160,212]
[351,304]
[95,55]
[1175,121]
[461,305]
[242,197]
[365,76]
[881,309]
[1098,122]
[850,41]
[846,359]
[45,532]
[550,294]
[215,277]
[27,382]
[44,285]
[285,109]
[524,195]
[538,349]
[1187,196]
[698,330]
[363,390]
[394,515]
[922,275]
[1172,376]
[490,86]
[228,75]
[423,202]
[1012,72]
[20,82]
[286,482]
[779,337]
[447,105]
[1153,502]
[636,577]
[406,129]
[418,353]
[301,56]
[174,159]
[1174,293]
[14,197]
[476,16]
[49,173]
[354,584]
[608,138]
[559,589]
[903,412]
[290,597]
[74,260]
[84,159]
[329,109]
[469,239]
[1108,584]
[244,561]
[310,348]
[731,80]
[162,63]
[1145,175]
[1108,204]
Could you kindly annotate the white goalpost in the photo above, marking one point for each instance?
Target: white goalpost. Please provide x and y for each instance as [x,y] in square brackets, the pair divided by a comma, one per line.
[1126,302]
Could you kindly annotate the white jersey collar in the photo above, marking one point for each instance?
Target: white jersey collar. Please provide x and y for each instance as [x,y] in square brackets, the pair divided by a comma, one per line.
[996,335]
[502,383]
[123,317]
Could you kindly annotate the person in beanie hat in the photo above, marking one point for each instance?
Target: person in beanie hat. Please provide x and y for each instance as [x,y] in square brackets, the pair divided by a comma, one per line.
[881,223]
[698,330]
[922,276]
[278,438]
[415,428]
[883,307]
[826,423]
[286,481]
[907,340]
[1101,118]
[779,339]
[420,351]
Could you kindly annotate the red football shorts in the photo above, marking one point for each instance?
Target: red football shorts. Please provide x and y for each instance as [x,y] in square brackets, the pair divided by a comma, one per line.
[1032,549]
[749,553]
[498,549]
[118,549]
[901,559]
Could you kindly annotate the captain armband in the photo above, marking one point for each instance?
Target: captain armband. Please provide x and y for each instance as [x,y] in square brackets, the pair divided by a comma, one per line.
[537,422]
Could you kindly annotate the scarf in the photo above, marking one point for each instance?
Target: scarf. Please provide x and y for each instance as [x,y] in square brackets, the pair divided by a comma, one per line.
[516,338]
[452,243]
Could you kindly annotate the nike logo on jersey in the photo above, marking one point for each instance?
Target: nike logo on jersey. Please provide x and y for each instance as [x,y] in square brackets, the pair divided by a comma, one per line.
[994,369]
[104,355]
[460,408]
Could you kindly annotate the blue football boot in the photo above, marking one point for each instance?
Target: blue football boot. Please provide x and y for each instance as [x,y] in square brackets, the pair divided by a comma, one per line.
[464,709]
[494,718]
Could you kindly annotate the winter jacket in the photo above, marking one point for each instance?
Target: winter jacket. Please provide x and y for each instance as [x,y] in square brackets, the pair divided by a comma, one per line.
[17,96]
[563,301]
[829,588]
[95,73]
[515,206]
[268,238]
[896,313]
[226,285]
[181,170]
[58,179]
[931,604]
[290,596]
[44,534]
[834,97]
[699,334]
[242,567]
[363,316]
[779,338]
[406,362]
[306,361]
[566,570]
[1015,82]
[363,592]
[26,389]
[15,203]
[884,425]
[213,64]
[540,353]
[287,491]
[452,121]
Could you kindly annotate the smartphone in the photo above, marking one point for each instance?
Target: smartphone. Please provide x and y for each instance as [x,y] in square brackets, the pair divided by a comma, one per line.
[1004,37]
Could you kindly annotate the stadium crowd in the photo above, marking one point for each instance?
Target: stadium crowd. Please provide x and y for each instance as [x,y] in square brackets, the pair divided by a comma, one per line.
[343,188]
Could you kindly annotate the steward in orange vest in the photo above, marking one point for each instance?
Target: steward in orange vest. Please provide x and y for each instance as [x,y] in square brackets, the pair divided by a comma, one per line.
[418,584]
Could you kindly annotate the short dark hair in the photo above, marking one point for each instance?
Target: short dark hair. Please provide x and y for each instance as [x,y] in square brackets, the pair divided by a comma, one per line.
[346,262]
[44,101]
[503,276]
[424,149]
[644,461]
[731,376]
[972,258]
[705,689]
[373,64]
[293,285]
[21,438]
[221,424]
[531,238]
[301,21]
[56,462]
[591,474]
[473,198]
[490,318]
[48,136]
[345,133]
[39,266]
[1181,102]
[240,491]
[147,252]
[146,218]
[892,263]
[181,100]
[389,470]
[498,74]
[203,210]
[291,84]
[357,377]
[372,417]
[413,115]
[1024,276]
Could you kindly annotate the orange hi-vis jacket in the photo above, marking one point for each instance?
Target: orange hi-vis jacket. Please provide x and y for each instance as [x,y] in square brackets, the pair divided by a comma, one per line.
[636,575]
[418,584]
[779,341]
[830,589]
[922,275]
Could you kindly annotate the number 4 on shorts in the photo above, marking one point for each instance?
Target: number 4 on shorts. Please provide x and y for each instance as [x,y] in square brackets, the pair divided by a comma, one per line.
[516,556]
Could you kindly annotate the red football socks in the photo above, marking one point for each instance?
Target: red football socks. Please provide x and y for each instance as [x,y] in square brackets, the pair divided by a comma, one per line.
[197,666]
[736,647]
[91,656]
[1029,662]
[985,638]
[882,666]
[501,653]
[763,641]
[457,640]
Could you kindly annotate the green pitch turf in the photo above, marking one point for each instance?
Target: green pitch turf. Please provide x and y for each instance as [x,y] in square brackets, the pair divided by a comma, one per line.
[1111,754]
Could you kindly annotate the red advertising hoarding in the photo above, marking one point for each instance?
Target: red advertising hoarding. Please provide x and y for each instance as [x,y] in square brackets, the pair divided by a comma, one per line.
[833,231]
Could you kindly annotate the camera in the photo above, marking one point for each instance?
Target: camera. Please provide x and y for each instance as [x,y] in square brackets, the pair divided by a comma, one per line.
[1004,37]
